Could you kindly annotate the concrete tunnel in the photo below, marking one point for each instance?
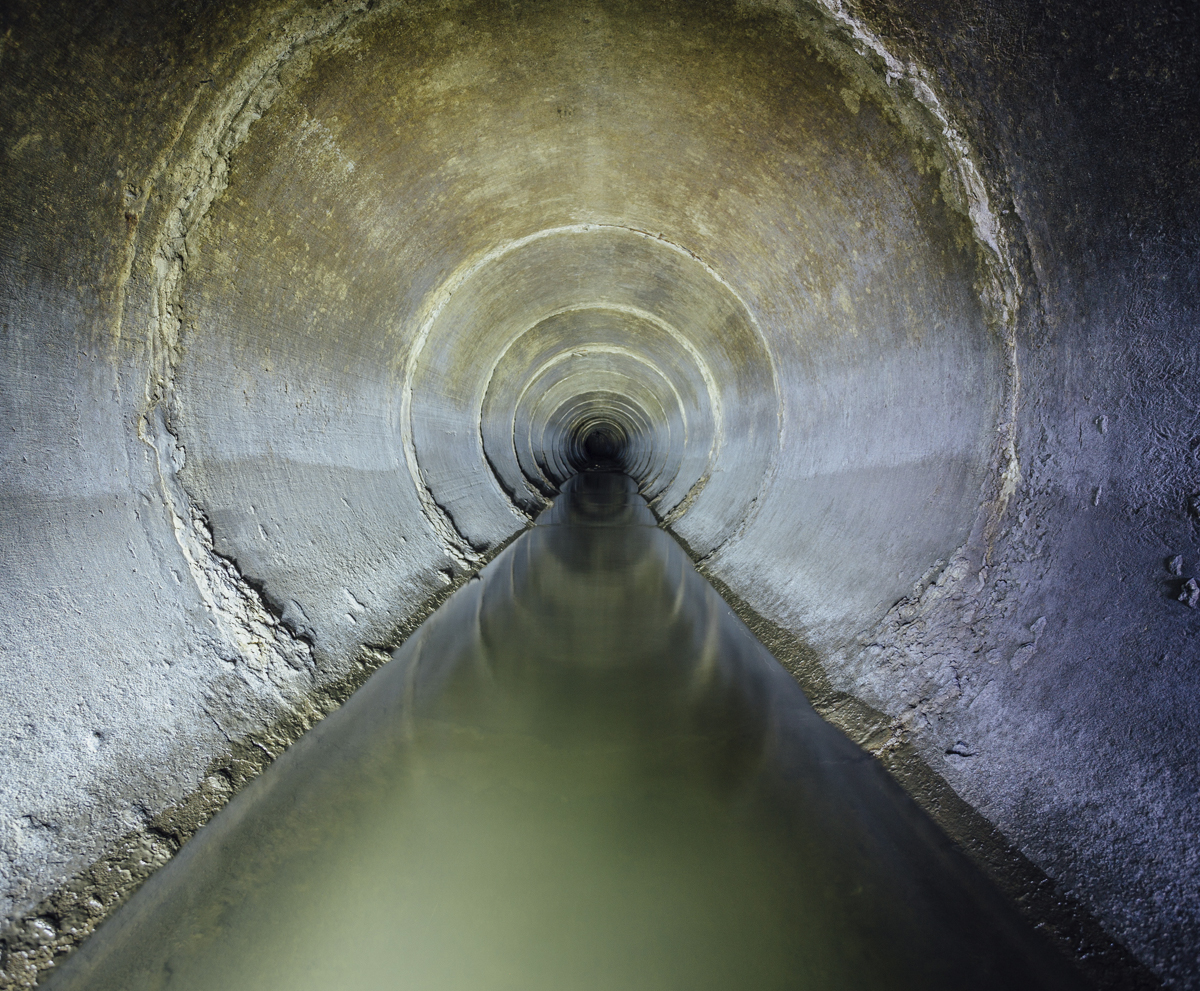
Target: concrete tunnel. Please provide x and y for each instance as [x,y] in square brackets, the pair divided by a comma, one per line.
[889,308]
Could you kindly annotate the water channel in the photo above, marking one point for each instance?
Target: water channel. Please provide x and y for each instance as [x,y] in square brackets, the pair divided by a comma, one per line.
[583,773]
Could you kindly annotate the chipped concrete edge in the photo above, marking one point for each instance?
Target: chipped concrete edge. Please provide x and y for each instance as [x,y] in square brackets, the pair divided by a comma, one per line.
[965,189]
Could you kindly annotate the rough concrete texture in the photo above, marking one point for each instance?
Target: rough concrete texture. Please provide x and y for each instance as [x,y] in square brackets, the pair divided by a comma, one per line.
[307,307]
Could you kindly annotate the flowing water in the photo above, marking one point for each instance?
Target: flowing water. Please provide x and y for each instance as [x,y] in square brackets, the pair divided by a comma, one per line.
[583,773]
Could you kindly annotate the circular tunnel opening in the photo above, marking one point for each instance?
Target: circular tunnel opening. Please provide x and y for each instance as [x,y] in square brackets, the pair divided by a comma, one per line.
[745,286]
[603,447]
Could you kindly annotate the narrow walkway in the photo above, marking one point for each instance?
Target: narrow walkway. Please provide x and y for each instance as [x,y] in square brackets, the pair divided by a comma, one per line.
[582,774]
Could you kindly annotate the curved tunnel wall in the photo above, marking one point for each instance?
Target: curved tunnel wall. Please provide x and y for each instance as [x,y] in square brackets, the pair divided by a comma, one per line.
[493,195]
[326,322]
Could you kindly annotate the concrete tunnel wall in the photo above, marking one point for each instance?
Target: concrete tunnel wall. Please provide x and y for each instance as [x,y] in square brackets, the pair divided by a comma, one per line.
[307,307]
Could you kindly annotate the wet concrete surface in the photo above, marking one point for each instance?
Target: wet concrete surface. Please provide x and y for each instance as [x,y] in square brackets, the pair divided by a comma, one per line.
[582,772]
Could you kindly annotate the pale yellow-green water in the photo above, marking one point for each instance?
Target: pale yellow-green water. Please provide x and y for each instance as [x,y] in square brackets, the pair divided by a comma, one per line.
[582,774]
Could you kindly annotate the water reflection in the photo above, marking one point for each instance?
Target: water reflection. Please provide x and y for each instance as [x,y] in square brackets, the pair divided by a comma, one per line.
[583,772]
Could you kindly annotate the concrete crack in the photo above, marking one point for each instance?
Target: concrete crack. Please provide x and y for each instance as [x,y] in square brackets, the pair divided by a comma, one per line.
[242,617]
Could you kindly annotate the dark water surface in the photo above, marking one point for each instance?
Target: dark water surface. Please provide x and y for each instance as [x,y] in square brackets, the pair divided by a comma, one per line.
[583,773]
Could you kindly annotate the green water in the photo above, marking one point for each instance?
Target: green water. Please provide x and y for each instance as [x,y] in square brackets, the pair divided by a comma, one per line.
[582,773]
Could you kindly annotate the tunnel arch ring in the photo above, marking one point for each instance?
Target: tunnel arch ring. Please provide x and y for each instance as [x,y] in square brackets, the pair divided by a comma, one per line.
[629,274]
[535,349]
[650,481]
